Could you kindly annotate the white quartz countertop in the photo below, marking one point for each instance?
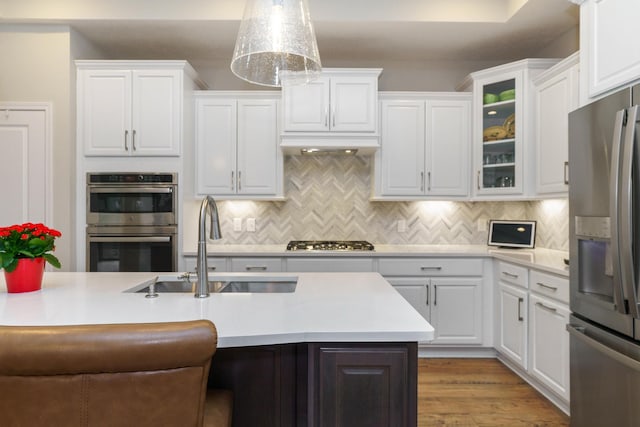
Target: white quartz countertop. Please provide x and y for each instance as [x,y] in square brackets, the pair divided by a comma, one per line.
[338,307]
[542,259]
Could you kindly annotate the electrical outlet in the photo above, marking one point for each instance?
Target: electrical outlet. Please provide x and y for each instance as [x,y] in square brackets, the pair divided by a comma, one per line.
[402,226]
[482,224]
[251,224]
[237,224]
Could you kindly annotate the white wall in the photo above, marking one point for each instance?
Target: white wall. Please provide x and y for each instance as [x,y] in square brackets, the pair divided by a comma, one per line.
[40,69]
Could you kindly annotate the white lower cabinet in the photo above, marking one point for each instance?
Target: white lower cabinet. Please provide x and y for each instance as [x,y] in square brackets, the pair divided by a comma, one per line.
[530,326]
[452,304]
[549,343]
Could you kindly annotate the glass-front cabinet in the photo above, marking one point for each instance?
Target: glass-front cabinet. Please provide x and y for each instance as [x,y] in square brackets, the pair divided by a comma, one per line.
[503,128]
[499,146]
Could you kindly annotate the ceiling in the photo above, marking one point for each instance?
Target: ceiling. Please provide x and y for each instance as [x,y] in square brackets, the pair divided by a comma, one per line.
[345,29]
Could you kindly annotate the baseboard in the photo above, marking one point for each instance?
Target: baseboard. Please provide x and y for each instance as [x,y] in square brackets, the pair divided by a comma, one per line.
[456,352]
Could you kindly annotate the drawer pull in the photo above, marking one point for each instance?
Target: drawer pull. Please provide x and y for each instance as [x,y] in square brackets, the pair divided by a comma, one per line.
[430,268]
[212,268]
[514,276]
[256,268]
[553,288]
[551,309]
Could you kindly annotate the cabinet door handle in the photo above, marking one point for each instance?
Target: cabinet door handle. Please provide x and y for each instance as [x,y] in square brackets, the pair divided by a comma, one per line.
[239,180]
[553,288]
[212,268]
[520,301]
[551,309]
[133,140]
[333,117]
[428,181]
[424,268]
[566,173]
[126,137]
[435,294]
[256,268]
[478,180]
[326,117]
[421,182]
[232,181]
[506,273]
[427,294]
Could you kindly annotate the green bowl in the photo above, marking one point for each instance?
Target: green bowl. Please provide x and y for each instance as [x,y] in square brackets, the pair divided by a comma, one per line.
[508,95]
[490,98]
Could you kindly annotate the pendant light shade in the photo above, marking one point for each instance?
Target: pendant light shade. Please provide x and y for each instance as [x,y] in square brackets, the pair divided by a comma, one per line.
[276,41]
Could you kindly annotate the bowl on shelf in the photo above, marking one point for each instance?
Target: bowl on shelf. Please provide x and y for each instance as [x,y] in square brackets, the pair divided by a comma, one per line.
[507,95]
[490,98]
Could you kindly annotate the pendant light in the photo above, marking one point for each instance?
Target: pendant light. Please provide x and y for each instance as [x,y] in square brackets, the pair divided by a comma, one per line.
[276,42]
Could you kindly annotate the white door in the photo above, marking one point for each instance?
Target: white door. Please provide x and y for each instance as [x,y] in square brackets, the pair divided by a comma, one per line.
[216,146]
[456,310]
[402,152]
[416,292]
[608,32]
[156,112]
[104,112]
[512,324]
[24,144]
[306,107]
[353,104]
[555,98]
[448,143]
[257,146]
[550,344]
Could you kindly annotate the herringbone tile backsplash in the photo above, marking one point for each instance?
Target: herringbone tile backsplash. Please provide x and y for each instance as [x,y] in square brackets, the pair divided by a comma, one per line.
[328,198]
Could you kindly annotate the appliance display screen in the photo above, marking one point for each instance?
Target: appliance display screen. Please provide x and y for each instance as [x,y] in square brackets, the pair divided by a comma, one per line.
[515,234]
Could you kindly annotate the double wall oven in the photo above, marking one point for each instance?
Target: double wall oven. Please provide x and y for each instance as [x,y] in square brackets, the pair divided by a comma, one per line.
[132,221]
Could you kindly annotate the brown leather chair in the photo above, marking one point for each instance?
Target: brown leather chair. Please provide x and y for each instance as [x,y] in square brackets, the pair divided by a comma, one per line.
[110,375]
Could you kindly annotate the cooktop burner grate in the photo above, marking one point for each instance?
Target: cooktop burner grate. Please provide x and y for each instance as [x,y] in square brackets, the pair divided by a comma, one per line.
[329,245]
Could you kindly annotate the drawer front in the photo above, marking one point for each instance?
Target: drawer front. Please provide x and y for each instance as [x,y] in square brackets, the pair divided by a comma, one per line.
[213,264]
[513,274]
[256,265]
[329,265]
[550,285]
[430,267]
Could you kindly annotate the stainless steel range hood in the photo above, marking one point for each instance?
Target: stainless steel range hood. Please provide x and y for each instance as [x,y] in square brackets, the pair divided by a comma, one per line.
[349,146]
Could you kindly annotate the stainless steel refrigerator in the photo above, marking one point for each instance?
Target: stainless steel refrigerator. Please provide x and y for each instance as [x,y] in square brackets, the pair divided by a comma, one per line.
[604,227]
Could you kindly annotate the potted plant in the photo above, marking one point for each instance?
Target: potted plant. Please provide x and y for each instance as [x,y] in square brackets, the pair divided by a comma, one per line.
[24,250]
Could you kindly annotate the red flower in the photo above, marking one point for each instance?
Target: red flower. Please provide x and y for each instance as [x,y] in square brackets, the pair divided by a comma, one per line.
[24,236]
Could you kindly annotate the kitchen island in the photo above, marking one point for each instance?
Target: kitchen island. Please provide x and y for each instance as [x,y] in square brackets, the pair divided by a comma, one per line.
[341,348]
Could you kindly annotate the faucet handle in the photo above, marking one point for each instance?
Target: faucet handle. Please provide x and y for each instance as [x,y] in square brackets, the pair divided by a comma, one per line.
[187,275]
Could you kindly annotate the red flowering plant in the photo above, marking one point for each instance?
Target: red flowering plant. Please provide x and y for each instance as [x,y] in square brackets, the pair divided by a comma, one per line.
[27,241]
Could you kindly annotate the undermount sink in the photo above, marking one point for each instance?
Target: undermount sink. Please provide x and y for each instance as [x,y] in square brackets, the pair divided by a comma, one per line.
[229,284]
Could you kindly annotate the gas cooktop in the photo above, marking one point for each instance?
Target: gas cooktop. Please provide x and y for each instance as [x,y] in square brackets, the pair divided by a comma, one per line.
[329,245]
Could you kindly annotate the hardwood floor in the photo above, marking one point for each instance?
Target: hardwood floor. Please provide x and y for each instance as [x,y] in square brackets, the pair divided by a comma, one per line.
[479,392]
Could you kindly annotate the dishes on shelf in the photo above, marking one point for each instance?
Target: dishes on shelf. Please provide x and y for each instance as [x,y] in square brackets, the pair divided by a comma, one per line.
[494,133]
[510,125]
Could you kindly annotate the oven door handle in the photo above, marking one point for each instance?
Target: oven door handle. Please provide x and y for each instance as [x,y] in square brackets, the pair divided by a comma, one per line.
[131,190]
[122,239]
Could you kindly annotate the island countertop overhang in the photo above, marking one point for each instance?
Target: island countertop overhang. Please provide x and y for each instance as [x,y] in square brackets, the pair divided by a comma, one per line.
[337,307]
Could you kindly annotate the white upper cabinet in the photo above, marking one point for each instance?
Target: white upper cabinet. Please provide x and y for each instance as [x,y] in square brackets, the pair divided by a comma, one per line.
[338,101]
[425,144]
[610,56]
[503,136]
[556,94]
[237,153]
[132,108]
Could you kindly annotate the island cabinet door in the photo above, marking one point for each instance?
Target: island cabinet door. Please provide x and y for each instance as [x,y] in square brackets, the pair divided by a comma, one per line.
[363,385]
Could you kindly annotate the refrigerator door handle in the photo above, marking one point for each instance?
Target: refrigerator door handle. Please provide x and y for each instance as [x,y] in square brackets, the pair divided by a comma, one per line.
[579,332]
[625,225]
[614,208]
